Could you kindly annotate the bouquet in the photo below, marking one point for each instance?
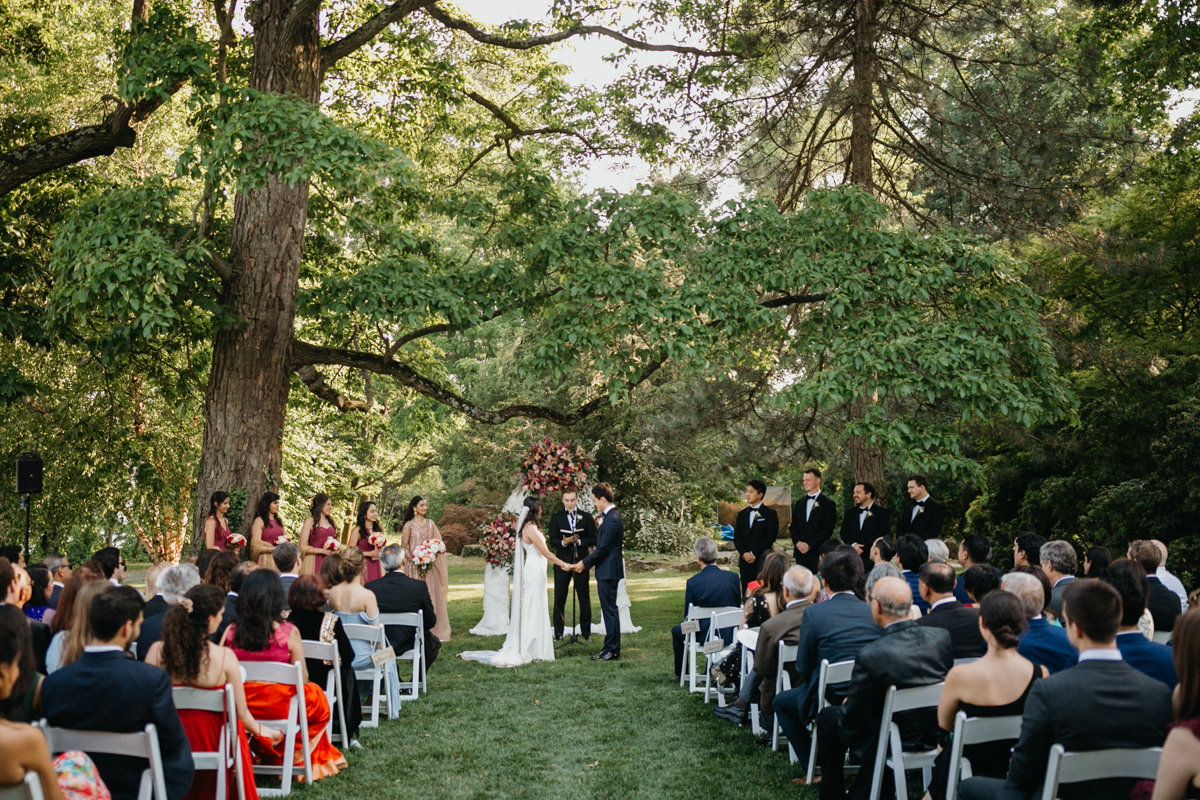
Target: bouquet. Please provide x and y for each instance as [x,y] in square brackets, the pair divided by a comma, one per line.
[377,540]
[332,545]
[423,555]
[235,540]
[553,467]
[500,540]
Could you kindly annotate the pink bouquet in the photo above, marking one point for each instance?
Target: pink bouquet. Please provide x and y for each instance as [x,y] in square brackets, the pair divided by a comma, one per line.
[332,545]
[500,540]
[553,467]
[377,540]
[235,540]
[424,555]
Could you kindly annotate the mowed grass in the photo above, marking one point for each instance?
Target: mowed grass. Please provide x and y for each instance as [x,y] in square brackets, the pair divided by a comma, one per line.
[573,728]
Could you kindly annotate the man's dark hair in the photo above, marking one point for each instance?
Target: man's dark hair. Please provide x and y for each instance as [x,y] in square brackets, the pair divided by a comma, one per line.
[111,609]
[7,575]
[939,578]
[12,552]
[757,486]
[981,580]
[869,488]
[1129,579]
[978,548]
[239,574]
[919,480]
[109,558]
[1094,607]
[828,546]
[205,558]
[1098,558]
[841,570]
[1030,544]
[912,552]
[886,546]
[816,473]
[603,490]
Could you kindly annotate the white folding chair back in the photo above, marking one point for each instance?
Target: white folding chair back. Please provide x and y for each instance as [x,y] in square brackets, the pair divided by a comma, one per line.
[380,678]
[783,682]
[28,789]
[976,730]
[890,745]
[958,662]
[692,646]
[1064,767]
[416,655]
[295,725]
[228,755]
[139,745]
[717,622]
[328,651]
[1162,637]
[830,675]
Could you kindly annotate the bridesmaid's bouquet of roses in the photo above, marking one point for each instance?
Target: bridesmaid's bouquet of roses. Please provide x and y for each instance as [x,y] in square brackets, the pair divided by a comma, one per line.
[553,467]
[377,540]
[500,540]
[332,545]
[235,540]
[423,555]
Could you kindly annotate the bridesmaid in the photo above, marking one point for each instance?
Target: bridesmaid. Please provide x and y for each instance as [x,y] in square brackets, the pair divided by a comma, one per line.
[418,530]
[266,531]
[216,527]
[317,530]
[360,537]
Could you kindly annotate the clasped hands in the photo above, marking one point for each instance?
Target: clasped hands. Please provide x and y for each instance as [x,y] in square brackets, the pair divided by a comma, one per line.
[576,567]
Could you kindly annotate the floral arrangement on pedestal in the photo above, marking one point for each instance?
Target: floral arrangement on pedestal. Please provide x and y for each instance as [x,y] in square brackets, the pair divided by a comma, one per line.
[550,467]
[423,555]
[499,540]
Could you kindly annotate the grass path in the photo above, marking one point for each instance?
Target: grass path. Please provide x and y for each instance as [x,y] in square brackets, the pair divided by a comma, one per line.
[568,729]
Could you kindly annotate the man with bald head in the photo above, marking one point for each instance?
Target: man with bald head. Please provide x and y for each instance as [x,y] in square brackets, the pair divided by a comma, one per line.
[906,655]
[1041,642]
[962,623]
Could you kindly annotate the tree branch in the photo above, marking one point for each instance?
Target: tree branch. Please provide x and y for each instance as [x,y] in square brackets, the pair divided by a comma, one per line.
[222,268]
[364,33]
[317,384]
[515,130]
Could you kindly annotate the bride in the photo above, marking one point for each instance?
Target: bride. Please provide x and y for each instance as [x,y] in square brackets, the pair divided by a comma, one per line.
[530,637]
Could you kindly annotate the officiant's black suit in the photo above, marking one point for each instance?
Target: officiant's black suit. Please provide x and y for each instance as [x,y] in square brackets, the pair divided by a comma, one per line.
[757,538]
[560,526]
[814,530]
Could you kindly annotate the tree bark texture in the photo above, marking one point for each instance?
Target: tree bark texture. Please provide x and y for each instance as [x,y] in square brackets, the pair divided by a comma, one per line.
[866,462]
[248,382]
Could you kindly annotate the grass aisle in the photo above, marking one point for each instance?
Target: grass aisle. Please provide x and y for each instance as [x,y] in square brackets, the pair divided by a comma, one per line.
[573,728]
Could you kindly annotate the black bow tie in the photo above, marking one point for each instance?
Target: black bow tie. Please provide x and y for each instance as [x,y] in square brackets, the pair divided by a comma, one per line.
[922,502]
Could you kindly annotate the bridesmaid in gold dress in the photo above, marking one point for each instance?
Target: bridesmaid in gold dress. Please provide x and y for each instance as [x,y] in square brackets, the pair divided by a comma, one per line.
[418,530]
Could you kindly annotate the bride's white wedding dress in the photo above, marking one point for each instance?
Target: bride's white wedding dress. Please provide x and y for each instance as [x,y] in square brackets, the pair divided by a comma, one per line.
[530,637]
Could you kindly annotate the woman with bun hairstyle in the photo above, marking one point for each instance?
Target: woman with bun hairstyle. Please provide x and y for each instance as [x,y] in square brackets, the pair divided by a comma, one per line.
[994,686]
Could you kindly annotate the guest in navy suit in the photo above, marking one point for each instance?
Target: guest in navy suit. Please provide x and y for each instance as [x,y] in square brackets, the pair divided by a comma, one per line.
[913,554]
[711,587]
[1155,660]
[610,569]
[106,690]
[1041,642]
[974,551]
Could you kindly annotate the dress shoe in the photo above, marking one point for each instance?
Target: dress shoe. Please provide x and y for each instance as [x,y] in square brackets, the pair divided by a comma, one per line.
[606,655]
[733,714]
[763,739]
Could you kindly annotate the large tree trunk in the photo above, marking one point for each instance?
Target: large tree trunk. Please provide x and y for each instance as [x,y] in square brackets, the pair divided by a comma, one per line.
[249,379]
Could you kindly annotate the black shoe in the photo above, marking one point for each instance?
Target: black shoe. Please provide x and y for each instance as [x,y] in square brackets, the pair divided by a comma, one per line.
[606,655]
[733,714]
[600,655]
[763,739]
[558,638]
[587,638]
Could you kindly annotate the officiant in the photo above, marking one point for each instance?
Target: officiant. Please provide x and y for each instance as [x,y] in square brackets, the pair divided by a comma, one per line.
[572,534]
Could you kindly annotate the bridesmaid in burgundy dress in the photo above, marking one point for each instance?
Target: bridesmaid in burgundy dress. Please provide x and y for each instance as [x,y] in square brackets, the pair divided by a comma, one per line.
[266,531]
[317,530]
[216,527]
[366,526]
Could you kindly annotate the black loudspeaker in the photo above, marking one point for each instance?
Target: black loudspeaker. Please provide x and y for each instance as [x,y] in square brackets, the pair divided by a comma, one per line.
[29,473]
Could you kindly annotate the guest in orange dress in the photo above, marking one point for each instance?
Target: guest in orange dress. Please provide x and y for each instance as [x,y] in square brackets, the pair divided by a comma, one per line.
[418,530]
[316,531]
[366,526]
[266,531]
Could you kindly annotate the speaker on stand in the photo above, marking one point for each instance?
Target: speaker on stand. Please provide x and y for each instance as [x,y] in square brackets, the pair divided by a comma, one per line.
[29,482]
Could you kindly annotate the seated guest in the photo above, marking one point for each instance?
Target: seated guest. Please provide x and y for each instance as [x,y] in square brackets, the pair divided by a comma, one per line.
[979,581]
[764,602]
[1047,590]
[938,550]
[913,554]
[937,589]
[906,655]
[21,700]
[349,600]
[286,556]
[306,598]
[396,593]
[1027,549]
[835,631]
[1167,579]
[170,587]
[883,550]
[191,659]
[105,690]
[828,547]
[1059,565]
[1100,704]
[711,587]
[231,586]
[260,634]
[38,608]
[1041,642]
[204,559]
[60,573]
[17,589]
[1129,579]
[1179,767]
[799,589]
[882,570]
[69,642]
[112,563]
[974,551]
[1095,561]
[1163,603]
[155,605]
[996,685]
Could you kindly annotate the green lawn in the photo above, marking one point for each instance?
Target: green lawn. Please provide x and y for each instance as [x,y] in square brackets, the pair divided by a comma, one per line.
[568,729]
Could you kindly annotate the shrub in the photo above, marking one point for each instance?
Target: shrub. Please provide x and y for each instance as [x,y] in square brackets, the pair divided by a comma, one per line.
[457,536]
[657,533]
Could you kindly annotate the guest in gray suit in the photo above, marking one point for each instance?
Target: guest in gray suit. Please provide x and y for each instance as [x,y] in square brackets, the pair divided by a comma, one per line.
[1059,562]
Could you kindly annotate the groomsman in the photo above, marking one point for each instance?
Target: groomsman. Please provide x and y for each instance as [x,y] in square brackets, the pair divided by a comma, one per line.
[572,535]
[754,532]
[813,520]
[864,522]
[921,515]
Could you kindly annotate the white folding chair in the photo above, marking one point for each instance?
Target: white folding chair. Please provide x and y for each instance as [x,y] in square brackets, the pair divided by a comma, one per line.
[139,745]
[1162,637]
[296,723]
[379,677]
[831,675]
[691,645]
[1064,767]
[891,750]
[28,789]
[228,755]
[783,682]
[976,730]
[416,621]
[958,662]
[718,621]
[328,651]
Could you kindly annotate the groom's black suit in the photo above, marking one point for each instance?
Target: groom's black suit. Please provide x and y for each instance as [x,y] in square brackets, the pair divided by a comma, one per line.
[560,526]
[610,569]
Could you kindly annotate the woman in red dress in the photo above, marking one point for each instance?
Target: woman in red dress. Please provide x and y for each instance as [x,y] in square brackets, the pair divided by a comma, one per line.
[266,531]
[188,656]
[316,531]
[216,527]
[367,526]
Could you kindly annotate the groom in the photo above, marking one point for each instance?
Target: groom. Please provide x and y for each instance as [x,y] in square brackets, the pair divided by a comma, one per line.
[610,569]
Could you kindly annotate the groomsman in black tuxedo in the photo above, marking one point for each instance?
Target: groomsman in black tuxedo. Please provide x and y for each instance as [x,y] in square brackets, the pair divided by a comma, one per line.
[814,517]
[754,532]
[921,515]
[864,522]
[572,536]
